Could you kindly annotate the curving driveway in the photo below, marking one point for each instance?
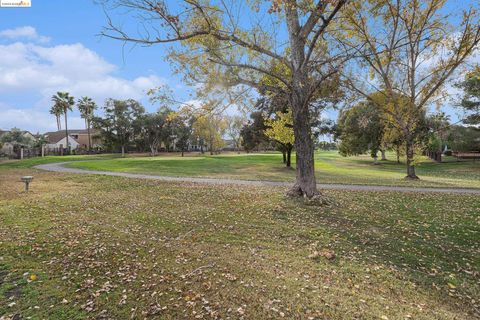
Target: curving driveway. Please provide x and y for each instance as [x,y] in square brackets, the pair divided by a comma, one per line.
[59,167]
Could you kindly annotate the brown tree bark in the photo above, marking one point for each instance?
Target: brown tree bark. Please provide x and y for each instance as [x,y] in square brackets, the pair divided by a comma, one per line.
[410,153]
[305,184]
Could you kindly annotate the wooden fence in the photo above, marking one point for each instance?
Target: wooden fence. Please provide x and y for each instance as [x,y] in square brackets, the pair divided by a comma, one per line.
[475,155]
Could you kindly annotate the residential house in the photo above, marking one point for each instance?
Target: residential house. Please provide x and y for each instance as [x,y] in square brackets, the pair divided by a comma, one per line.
[8,147]
[78,139]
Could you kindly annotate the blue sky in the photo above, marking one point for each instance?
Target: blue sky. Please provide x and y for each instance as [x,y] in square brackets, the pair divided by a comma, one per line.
[54,45]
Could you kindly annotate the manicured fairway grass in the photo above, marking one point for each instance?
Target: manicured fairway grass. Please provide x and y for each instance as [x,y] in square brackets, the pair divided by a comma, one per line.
[330,168]
[116,248]
[30,162]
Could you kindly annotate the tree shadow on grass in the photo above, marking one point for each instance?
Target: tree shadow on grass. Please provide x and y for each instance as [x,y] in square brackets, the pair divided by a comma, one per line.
[419,236]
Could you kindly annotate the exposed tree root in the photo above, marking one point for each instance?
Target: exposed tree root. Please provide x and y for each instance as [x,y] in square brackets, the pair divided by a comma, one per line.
[317,199]
[414,177]
[295,191]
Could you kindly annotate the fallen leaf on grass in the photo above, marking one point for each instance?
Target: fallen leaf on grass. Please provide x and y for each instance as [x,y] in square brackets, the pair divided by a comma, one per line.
[326,253]
[451,285]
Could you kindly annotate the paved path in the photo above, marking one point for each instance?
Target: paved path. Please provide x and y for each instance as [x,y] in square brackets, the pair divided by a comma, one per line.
[59,167]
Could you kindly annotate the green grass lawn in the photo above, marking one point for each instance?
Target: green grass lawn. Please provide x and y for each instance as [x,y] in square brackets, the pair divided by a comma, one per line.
[30,162]
[330,168]
[117,248]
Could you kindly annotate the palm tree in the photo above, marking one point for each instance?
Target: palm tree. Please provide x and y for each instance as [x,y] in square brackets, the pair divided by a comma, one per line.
[57,112]
[64,101]
[86,106]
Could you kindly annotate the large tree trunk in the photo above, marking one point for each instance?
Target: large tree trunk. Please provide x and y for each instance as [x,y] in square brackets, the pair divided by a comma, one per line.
[384,157]
[123,151]
[305,184]
[284,154]
[398,153]
[410,153]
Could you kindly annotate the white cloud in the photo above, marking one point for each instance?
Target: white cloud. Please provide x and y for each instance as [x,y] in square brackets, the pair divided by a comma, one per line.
[26,32]
[29,69]
[113,87]
[65,67]
[72,68]
[33,119]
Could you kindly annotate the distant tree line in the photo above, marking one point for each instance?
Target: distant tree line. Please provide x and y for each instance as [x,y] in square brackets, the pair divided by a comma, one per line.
[363,128]
[125,123]
[373,125]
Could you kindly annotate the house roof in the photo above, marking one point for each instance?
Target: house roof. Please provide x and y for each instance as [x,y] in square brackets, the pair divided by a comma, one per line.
[54,137]
[70,131]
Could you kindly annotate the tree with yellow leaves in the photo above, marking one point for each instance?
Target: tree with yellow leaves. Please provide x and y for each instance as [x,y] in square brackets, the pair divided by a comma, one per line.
[210,128]
[213,44]
[280,130]
[410,48]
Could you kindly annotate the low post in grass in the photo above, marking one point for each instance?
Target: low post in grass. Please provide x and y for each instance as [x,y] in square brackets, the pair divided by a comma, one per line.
[27,180]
